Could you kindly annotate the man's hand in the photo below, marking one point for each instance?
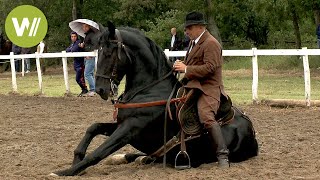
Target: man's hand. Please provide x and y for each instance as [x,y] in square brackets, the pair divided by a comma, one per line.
[179,66]
[81,45]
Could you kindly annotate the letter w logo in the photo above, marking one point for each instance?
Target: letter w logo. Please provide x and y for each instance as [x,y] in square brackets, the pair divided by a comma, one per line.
[25,25]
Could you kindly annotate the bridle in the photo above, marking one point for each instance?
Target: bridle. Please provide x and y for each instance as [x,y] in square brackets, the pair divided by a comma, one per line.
[113,82]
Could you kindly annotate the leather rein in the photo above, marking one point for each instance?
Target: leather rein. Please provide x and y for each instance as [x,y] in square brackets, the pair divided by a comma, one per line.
[147,104]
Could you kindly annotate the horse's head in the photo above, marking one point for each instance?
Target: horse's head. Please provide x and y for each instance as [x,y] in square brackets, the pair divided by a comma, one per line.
[112,60]
[129,52]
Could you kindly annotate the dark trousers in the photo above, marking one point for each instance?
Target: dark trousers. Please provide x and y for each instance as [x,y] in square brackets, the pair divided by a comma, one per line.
[17,63]
[80,77]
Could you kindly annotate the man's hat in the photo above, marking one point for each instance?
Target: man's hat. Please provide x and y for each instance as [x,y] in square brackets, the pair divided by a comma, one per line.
[193,18]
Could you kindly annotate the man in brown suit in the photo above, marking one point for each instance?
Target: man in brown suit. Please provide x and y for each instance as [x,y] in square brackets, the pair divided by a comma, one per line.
[203,70]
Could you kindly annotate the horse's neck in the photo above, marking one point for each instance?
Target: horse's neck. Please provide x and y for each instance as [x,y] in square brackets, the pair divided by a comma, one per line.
[138,79]
[147,81]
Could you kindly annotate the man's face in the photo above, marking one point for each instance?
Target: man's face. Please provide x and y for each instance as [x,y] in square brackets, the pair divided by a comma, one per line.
[73,37]
[173,31]
[85,27]
[193,31]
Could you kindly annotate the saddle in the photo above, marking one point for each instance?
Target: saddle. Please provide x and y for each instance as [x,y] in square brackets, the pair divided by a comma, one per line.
[191,127]
[187,111]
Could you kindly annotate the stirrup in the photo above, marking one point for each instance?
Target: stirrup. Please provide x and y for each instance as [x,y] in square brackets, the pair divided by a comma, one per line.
[182,167]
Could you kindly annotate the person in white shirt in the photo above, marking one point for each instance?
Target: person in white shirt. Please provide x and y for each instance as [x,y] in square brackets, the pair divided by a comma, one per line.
[176,43]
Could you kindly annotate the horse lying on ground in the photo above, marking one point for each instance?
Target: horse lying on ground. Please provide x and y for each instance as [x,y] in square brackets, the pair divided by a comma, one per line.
[142,113]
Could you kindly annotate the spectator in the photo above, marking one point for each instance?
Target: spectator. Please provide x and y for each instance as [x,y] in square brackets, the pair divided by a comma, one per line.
[175,44]
[78,63]
[89,44]
[26,60]
[16,50]
[318,35]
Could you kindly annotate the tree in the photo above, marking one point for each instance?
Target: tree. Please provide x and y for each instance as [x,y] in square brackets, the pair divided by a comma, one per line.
[212,26]
[316,11]
[295,21]
[74,10]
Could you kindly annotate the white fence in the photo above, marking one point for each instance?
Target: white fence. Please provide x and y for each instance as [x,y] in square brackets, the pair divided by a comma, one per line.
[254,53]
[37,56]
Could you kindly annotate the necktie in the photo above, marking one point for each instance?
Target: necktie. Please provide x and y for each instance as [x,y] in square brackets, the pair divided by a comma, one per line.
[192,45]
[190,48]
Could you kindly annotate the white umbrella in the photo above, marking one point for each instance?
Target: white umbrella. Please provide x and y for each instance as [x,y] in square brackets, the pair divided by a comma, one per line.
[76,26]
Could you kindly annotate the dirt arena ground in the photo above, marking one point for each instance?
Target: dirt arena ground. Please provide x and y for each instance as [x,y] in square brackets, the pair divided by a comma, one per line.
[38,136]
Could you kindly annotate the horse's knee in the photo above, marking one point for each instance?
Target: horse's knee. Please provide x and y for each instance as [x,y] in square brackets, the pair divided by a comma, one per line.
[93,128]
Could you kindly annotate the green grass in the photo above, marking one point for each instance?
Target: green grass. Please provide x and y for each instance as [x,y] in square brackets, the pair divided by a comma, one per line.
[53,85]
[272,85]
[270,63]
[238,84]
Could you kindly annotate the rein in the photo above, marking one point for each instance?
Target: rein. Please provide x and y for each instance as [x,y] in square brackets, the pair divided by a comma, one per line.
[147,104]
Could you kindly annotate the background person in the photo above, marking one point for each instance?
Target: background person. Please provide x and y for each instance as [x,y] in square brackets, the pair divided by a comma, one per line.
[26,60]
[78,63]
[203,70]
[16,50]
[176,43]
[89,44]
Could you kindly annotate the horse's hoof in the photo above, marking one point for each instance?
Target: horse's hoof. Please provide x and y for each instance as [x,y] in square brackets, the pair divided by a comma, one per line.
[144,160]
[117,159]
[61,173]
[53,174]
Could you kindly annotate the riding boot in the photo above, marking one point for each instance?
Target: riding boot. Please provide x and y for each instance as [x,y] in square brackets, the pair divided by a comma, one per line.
[218,143]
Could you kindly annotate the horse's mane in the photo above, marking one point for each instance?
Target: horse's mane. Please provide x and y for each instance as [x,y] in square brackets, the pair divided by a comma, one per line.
[146,49]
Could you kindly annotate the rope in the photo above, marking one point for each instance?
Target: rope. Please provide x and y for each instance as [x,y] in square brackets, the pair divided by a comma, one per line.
[188,114]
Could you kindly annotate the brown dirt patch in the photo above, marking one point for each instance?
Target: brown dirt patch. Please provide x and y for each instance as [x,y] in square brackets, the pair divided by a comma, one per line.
[39,134]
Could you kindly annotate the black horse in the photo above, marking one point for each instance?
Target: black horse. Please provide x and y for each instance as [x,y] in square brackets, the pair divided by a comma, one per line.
[129,53]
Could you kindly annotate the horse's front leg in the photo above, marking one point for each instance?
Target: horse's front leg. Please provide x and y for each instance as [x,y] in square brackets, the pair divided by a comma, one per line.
[94,130]
[119,138]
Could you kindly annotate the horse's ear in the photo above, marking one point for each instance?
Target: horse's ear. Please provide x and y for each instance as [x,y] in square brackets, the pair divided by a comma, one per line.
[112,30]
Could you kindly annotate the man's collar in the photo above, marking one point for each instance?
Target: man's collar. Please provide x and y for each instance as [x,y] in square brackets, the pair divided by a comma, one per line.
[196,41]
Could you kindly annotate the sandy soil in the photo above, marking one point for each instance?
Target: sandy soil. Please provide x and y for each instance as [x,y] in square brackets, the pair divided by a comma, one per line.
[39,134]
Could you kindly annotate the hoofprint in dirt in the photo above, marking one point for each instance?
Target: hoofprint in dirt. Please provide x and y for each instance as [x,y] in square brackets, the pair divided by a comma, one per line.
[39,134]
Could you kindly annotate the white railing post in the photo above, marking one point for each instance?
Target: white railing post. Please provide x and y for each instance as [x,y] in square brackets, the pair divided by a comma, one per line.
[65,72]
[255,76]
[39,72]
[22,68]
[13,74]
[166,52]
[307,83]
